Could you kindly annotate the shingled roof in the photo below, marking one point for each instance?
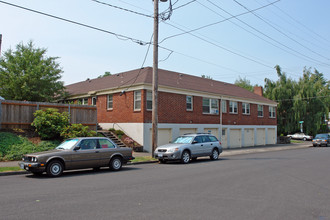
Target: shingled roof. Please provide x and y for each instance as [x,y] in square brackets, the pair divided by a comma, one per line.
[165,78]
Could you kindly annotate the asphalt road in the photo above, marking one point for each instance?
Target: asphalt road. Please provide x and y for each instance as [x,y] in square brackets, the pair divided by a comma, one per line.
[291,184]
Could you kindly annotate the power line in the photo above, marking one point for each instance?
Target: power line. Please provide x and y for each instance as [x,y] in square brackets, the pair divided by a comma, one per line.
[315,97]
[124,9]
[183,5]
[119,36]
[269,24]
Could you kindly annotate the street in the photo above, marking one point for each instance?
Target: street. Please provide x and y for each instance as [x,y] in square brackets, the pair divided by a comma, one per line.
[290,184]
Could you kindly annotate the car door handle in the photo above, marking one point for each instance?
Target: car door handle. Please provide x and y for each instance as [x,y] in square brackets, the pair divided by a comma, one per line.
[202,145]
[211,144]
[97,151]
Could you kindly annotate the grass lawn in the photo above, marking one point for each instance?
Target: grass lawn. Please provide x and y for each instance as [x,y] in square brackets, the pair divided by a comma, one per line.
[7,169]
[297,141]
[143,159]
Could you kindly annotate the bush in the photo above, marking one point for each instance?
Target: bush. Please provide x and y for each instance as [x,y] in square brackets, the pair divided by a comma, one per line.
[112,130]
[17,150]
[119,132]
[77,130]
[50,123]
[7,140]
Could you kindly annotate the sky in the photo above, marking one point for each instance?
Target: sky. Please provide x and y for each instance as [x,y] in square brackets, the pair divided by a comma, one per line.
[235,38]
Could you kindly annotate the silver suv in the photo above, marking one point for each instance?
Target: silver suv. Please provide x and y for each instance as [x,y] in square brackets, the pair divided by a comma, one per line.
[189,146]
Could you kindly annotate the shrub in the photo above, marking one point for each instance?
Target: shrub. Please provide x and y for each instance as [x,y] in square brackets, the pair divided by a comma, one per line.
[7,140]
[77,130]
[119,132]
[112,130]
[50,123]
[17,150]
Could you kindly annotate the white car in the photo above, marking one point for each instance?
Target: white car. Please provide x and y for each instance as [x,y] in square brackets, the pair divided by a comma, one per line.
[301,136]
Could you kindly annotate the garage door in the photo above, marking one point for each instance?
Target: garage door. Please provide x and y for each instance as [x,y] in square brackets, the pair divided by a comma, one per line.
[164,136]
[224,138]
[248,137]
[213,131]
[271,136]
[261,136]
[235,138]
[187,130]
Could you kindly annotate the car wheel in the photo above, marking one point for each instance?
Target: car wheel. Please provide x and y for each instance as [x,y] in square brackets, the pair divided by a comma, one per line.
[215,154]
[185,157]
[54,168]
[116,164]
[162,161]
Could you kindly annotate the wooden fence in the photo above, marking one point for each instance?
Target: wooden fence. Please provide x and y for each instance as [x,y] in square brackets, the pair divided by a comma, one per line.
[19,114]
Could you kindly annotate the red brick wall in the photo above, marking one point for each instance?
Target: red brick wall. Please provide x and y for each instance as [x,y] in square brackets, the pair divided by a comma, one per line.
[172,109]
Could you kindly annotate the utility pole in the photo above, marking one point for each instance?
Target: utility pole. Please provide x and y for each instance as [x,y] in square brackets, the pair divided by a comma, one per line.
[155,82]
[0,43]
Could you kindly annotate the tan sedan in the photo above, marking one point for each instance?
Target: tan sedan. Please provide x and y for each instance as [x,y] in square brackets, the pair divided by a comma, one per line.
[77,153]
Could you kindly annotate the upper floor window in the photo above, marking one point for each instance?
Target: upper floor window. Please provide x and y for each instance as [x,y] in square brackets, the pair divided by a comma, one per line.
[137,100]
[210,106]
[149,100]
[94,100]
[245,108]
[110,102]
[84,101]
[272,112]
[189,103]
[233,107]
[224,106]
[260,111]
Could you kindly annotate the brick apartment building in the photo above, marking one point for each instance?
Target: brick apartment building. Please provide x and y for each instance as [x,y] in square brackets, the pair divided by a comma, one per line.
[187,104]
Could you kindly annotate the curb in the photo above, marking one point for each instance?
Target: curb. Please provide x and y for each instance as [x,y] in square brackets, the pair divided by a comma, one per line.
[225,153]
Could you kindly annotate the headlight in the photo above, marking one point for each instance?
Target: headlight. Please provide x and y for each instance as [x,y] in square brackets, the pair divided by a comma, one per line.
[34,159]
[172,150]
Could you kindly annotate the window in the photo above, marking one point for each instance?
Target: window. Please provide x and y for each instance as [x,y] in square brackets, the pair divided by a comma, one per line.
[233,107]
[84,101]
[149,100]
[88,144]
[137,100]
[260,111]
[224,106]
[189,103]
[106,143]
[94,100]
[272,112]
[210,106]
[110,102]
[245,108]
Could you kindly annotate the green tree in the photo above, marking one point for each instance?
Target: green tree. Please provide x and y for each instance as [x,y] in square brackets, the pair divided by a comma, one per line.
[28,74]
[104,75]
[206,77]
[245,83]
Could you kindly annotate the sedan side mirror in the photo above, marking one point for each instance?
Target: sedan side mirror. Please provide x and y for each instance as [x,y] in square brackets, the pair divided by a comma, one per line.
[76,148]
[194,142]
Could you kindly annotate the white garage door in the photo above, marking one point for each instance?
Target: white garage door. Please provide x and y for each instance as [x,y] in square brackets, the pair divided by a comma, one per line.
[164,136]
[235,138]
[213,131]
[248,137]
[271,136]
[224,138]
[261,136]
[187,130]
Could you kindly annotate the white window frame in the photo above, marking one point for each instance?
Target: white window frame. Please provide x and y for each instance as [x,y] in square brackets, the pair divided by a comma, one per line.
[245,108]
[137,100]
[149,100]
[94,99]
[191,103]
[110,102]
[224,106]
[84,101]
[272,112]
[232,109]
[261,109]
[213,106]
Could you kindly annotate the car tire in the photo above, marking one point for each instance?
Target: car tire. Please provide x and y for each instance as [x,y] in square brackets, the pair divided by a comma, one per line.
[162,161]
[116,164]
[304,139]
[215,154]
[185,157]
[54,168]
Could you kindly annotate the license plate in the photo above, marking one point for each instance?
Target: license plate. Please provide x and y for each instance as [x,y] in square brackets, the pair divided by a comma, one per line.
[22,166]
[160,155]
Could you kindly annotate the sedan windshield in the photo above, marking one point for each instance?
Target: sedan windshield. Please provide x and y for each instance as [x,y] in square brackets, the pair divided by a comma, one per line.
[68,144]
[320,136]
[183,140]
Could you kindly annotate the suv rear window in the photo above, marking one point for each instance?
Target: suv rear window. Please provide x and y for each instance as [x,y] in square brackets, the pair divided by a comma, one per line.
[213,139]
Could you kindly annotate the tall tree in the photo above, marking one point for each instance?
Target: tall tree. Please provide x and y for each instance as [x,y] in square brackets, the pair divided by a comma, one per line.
[28,74]
[104,75]
[245,83]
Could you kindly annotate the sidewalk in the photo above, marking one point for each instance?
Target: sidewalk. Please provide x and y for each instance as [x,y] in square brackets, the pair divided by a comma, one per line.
[225,153]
